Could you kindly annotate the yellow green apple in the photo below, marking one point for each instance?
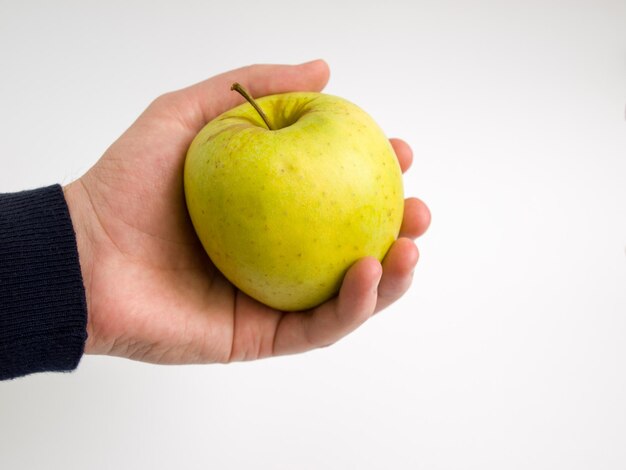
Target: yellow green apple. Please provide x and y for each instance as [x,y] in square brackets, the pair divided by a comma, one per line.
[288,191]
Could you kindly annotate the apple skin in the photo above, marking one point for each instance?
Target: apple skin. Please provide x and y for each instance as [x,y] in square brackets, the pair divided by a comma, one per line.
[284,213]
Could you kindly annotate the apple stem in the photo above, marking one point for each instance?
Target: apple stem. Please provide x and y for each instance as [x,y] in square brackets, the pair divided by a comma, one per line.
[243,92]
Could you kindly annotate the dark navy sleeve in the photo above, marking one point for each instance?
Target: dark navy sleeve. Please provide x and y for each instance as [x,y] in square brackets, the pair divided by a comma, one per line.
[43,313]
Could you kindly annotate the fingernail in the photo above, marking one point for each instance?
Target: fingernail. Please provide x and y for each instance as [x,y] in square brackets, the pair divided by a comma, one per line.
[311,62]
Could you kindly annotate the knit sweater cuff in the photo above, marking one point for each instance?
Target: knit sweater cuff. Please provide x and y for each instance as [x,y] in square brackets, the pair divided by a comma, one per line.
[43,313]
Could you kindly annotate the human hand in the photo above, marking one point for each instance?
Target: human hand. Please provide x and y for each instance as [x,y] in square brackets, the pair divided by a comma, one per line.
[152,292]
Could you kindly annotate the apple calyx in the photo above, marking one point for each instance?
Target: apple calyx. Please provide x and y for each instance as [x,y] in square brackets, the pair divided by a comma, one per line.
[243,92]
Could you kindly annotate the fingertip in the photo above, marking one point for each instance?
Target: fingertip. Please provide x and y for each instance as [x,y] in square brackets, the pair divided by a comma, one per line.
[318,63]
[412,253]
[319,69]
[402,256]
[403,152]
[366,271]
[416,218]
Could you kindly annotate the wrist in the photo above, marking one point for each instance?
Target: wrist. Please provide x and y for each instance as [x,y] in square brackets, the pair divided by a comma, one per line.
[79,207]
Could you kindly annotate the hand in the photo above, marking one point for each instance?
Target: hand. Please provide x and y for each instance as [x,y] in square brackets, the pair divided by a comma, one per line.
[152,292]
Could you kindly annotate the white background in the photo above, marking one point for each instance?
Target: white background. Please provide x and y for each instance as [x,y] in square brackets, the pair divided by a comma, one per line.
[508,352]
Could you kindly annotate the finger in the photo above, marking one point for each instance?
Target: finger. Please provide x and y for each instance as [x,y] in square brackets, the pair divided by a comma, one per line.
[398,267]
[416,218]
[302,331]
[403,152]
[200,103]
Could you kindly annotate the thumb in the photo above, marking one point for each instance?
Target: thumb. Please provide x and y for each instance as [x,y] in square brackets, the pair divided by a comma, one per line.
[198,104]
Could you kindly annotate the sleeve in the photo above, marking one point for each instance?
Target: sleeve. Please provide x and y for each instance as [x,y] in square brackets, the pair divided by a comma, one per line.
[43,313]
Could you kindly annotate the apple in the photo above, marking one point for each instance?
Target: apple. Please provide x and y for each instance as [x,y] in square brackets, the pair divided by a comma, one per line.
[287,191]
